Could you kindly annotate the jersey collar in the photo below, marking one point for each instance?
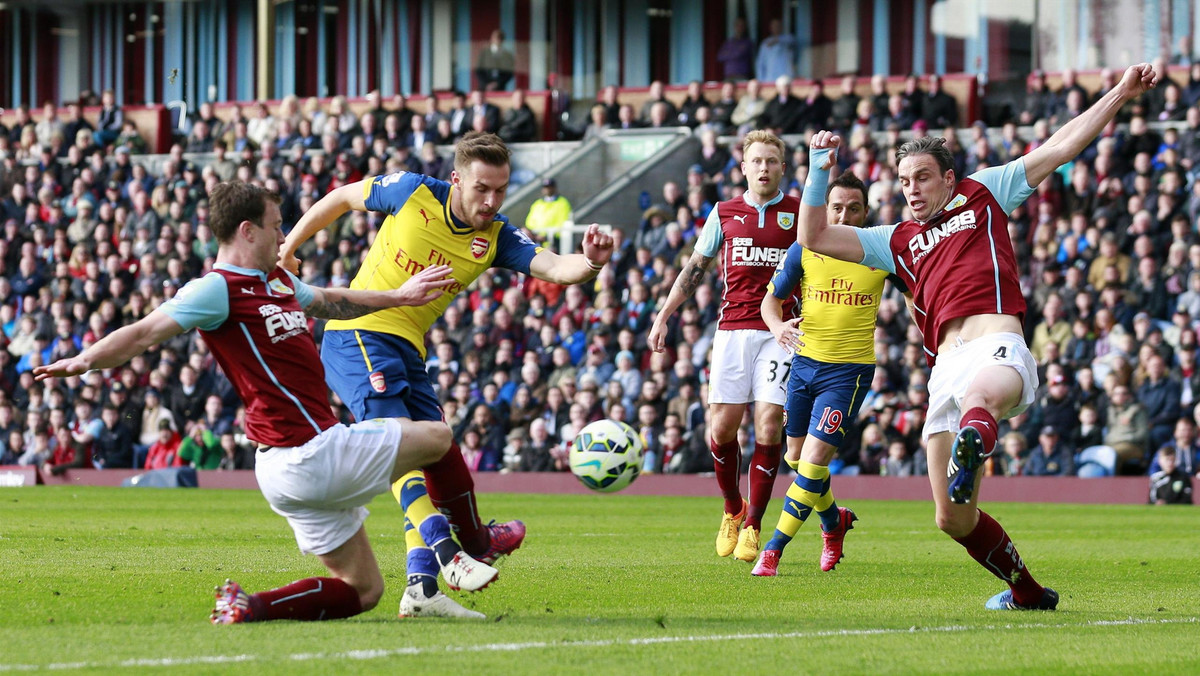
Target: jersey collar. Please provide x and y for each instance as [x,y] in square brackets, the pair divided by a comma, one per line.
[249,272]
[774,200]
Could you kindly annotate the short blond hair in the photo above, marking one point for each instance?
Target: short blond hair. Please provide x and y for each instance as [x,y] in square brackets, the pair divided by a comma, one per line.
[762,136]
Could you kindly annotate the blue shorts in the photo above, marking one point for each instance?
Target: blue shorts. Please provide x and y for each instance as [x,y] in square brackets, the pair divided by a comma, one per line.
[822,397]
[378,375]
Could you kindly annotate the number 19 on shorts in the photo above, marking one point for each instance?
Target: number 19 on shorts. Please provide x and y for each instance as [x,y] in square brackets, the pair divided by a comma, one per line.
[831,420]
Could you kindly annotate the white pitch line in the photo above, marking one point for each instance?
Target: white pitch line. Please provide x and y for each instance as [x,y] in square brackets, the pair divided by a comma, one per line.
[542,645]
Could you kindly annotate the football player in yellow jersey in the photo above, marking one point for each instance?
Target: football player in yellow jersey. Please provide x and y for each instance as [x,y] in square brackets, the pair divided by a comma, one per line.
[831,371]
[376,363]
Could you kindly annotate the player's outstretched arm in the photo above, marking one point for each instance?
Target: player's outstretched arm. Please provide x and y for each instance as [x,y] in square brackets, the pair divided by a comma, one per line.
[684,287]
[574,268]
[1066,143]
[815,232]
[423,287]
[116,348]
[327,210]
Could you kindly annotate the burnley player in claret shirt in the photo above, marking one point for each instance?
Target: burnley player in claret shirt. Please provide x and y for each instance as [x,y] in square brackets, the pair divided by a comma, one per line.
[955,255]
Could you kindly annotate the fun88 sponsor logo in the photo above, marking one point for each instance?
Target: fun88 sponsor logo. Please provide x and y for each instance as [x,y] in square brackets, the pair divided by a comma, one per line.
[743,252]
[281,324]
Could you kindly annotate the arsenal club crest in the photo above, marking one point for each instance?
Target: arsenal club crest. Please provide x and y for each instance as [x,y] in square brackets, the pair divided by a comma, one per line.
[479,247]
[377,382]
[786,221]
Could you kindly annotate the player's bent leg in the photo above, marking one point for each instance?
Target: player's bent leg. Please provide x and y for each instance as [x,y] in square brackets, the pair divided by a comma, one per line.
[356,586]
[992,392]
[983,538]
[953,519]
[428,529]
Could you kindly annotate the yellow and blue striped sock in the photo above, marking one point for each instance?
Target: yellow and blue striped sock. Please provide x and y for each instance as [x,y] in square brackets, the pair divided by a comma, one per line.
[420,561]
[827,508]
[804,493]
[418,509]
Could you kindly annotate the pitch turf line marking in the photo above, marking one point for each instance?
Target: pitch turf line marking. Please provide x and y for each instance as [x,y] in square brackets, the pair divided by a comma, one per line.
[539,645]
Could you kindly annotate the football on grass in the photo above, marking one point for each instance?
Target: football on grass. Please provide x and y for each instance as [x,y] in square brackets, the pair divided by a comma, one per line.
[607,455]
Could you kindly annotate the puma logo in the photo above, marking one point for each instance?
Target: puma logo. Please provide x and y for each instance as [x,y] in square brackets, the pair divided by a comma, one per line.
[719,460]
[764,470]
[740,219]
[426,217]
[818,257]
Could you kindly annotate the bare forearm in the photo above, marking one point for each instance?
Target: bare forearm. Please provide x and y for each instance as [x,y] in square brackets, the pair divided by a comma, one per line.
[1073,137]
[689,279]
[772,313]
[117,348]
[571,269]
[347,303]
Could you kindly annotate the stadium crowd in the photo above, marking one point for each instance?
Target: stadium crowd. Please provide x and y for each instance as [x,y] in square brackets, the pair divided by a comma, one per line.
[96,237]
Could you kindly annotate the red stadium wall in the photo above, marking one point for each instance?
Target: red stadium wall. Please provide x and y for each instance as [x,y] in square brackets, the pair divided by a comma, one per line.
[1114,490]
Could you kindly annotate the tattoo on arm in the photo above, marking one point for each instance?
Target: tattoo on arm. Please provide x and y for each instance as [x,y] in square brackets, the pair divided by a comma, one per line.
[693,273]
[337,308]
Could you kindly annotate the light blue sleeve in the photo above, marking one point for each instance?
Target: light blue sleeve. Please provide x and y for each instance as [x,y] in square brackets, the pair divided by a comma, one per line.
[877,247]
[304,292]
[201,304]
[1008,184]
[708,244]
[787,273]
[94,428]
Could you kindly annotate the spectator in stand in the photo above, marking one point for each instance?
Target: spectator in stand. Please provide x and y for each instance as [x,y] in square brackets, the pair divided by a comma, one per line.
[482,113]
[1051,457]
[1170,485]
[737,53]
[549,214]
[1186,447]
[518,124]
[784,114]
[114,441]
[1039,100]
[201,448]
[598,123]
[496,64]
[1012,460]
[112,118]
[695,101]
[655,95]
[1128,431]
[776,54]
[749,109]
[938,108]
[164,452]
[817,107]
[844,109]
[1160,395]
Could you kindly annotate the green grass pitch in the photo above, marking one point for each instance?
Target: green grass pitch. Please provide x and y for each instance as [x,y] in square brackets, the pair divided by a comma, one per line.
[95,579]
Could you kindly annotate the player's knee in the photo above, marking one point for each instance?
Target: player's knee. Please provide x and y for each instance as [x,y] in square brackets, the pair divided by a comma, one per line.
[952,523]
[435,439]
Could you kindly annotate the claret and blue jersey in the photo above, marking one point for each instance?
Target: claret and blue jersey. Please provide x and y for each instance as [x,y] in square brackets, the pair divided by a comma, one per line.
[960,262]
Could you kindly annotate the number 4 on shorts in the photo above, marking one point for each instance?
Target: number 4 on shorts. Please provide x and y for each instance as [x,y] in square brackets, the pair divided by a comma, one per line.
[1001,353]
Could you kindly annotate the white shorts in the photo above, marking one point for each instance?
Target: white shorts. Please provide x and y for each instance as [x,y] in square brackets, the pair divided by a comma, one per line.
[956,369]
[321,486]
[748,365]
